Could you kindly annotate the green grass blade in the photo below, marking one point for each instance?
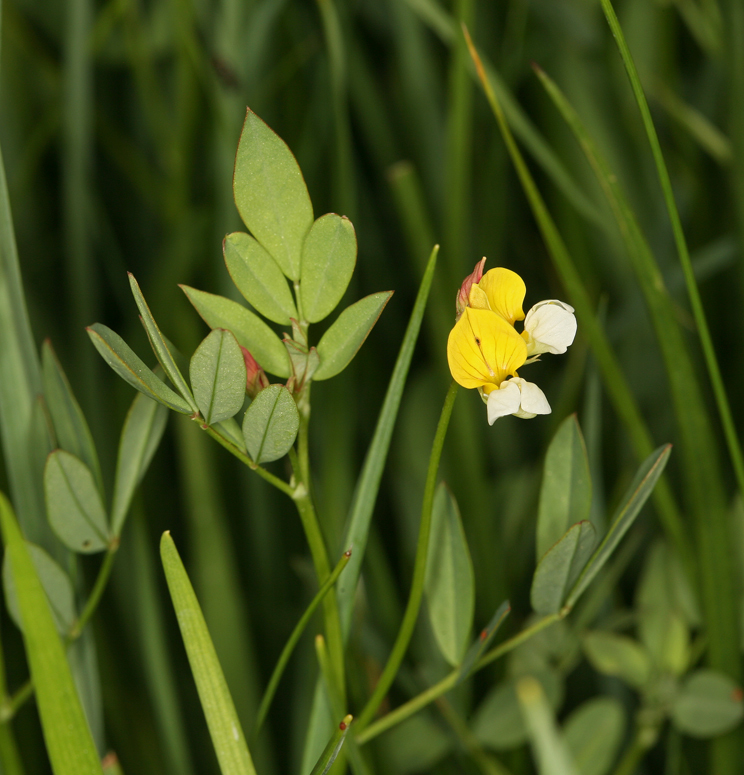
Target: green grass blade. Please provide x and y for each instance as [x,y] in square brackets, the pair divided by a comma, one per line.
[222,720]
[368,484]
[332,749]
[68,739]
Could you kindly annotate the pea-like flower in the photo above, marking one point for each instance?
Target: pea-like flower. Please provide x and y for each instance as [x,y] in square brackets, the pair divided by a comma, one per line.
[484,350]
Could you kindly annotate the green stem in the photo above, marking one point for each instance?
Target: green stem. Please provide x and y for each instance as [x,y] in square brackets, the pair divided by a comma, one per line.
[633,754]
[292,642]
[449,682]
[95,596]
[419,568]
[10,758]
[11,704]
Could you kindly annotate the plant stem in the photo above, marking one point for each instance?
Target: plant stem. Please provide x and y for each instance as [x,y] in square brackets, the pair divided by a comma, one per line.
[633,754]
[419,568]
[95,596]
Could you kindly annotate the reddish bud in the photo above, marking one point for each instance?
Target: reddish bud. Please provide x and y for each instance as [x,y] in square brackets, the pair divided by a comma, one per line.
[484,634]
[342,726]
[464,293]
[256,379]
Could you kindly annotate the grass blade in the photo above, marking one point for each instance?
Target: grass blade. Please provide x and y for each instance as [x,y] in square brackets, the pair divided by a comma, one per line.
[331,750]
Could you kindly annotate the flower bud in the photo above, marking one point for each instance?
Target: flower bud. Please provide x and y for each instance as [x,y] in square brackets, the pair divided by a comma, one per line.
[256,379]
[463,294]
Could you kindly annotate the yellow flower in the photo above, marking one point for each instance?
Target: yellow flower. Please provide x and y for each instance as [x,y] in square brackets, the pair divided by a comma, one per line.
[483,349]
[502,291]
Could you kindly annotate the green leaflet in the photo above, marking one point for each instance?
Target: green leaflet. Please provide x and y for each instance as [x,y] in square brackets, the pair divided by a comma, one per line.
[218,376]
[270,425]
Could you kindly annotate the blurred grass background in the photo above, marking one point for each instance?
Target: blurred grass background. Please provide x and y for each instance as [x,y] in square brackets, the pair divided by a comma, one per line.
[119,125]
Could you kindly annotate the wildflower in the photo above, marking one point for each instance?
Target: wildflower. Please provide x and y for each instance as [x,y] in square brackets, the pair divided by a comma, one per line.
[484,350]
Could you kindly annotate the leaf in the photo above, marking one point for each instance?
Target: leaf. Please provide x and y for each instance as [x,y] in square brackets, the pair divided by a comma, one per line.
[593,734]
[218,376]
[415,745]
[56,584]
[271,195]
[70,426]
[331,751]
[270,425]
[258,277]
[76,512]
[159,345]
[224,728]
[618,655]
[230,430]
[566,490]
[560,567]
[250,331]
[481,643]
[709,704]
[67,736]
[667,640]
[343,339]
[122,359]
[450,580]
[548,746]
[140,436]
[636,495]
[328,259]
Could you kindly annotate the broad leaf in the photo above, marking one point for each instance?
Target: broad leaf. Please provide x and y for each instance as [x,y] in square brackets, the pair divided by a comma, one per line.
[270,425]
[70,426]
[566,490]
[593,734]
[618,655]
[709,704]
[258,277]
[67,736]
[328,259]
[343,339]
[74,507]
[160,346]
[450,580]
[271,195]
[56,584]
[636,495]
[218,376]
[250,331]
[122,359]
[143,428]
[224,728]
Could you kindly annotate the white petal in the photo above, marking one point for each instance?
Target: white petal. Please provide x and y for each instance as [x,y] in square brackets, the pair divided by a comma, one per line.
[551,326]
[533,401]
[503,401]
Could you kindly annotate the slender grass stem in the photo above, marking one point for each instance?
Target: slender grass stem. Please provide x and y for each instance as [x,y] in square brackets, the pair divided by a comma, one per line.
[419,569]
[95,595]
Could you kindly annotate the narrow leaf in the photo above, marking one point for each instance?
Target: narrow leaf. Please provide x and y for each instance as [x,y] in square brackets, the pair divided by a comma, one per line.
[230,430]
[258,277]
[217,704]
[122,359]
[450,580]
[271,424]
[67,736]
[140,436]
[74,505]
[250,331]
[56,584]
[560,567]
[271,195]
[159,345]
[218,376]
[343,339]
[481,643]
[637,494]
[566,490]
[70,426]
[328,259]
[332,749]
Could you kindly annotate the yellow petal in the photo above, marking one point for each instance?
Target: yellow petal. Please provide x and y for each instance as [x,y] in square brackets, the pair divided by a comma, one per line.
[484,349]
[478,298]
[505,291]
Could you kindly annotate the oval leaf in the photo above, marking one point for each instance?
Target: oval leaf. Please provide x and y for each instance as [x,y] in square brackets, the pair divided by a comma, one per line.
[224,728]
[270,424]
[67,736]
[74,504]
[618,655]
[709,704]
[250,331]
[566,490]
[560,567]
[271,195]
[450,580]
[140,436]
[341,341]
[123,360]
[328,259]
[593,733]
[56,584]
[218,376]
[258,277]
